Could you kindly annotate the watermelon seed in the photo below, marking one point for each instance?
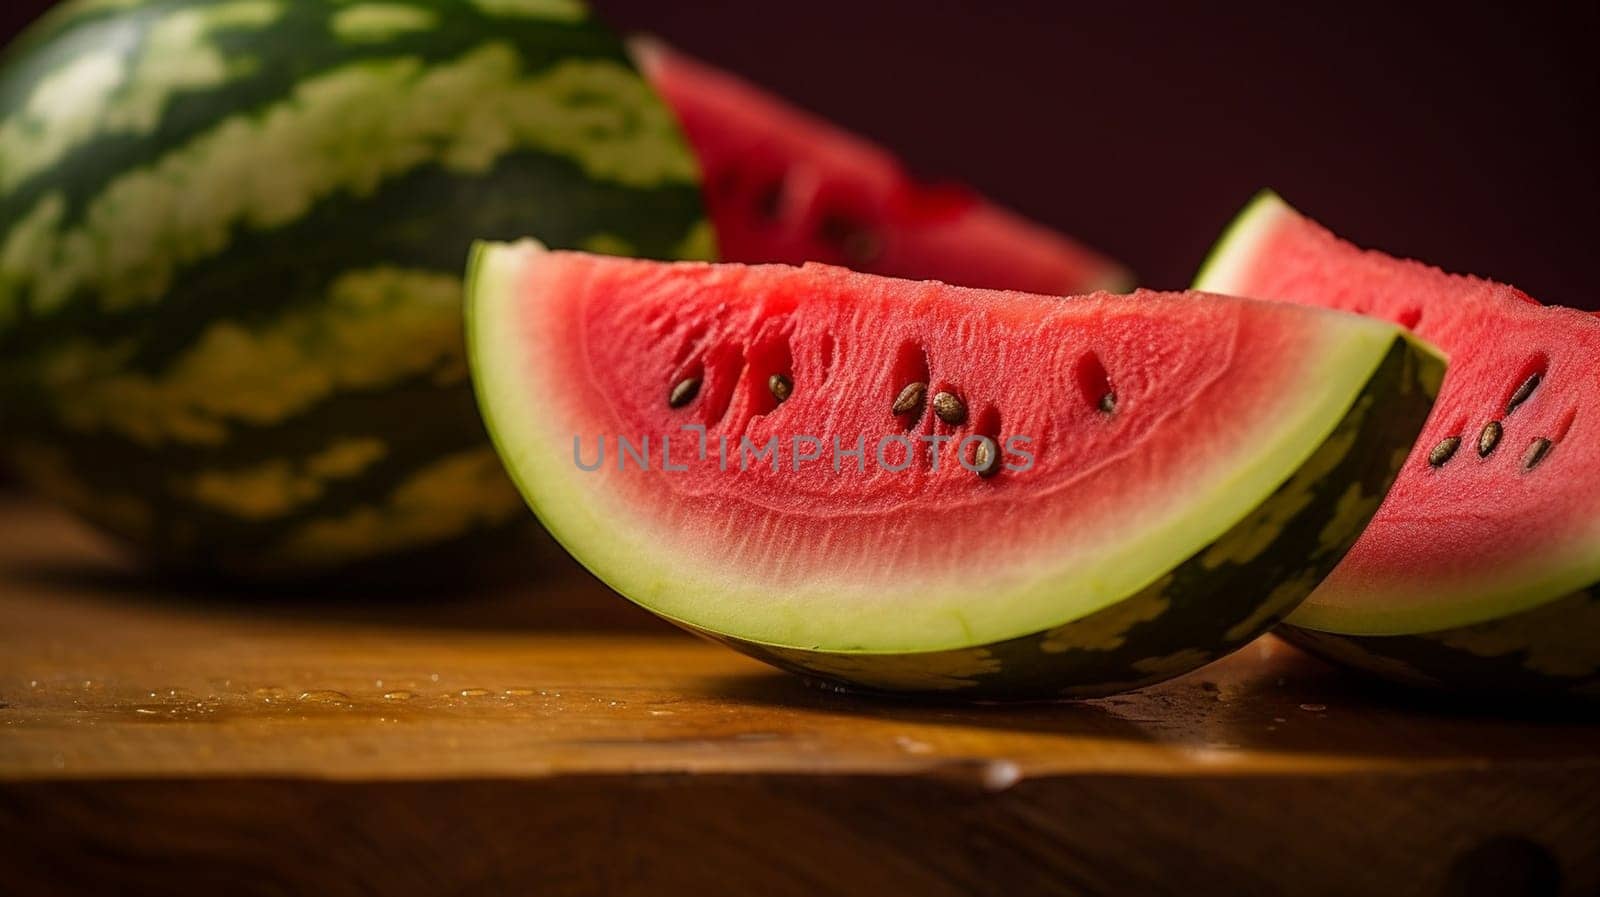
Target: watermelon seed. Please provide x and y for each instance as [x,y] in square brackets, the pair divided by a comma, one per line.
[862,248]
[781,386]
[910,398]
[1523,391]
[1489,438]
[1444,450]
[725,184]
[985,459]
[769,201]
[1537,449]
[853,239]
[950,409]
[1108,402]
[684,392]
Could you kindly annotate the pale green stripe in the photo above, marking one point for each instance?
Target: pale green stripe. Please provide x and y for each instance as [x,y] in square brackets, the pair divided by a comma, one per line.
[103,93]
[65,109]
[377,327]
[31,240]
[609,244]
[699,244]
[550,10]
[450,497]
[278,487]
[376,22]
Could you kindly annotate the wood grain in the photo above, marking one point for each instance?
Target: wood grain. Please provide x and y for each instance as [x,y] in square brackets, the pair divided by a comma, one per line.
[550,739]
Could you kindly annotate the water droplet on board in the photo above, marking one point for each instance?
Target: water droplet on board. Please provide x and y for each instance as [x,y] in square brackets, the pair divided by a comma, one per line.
[998,775]
[912,746]
[324,696]
[474,692]
[1314,708]
[398,696]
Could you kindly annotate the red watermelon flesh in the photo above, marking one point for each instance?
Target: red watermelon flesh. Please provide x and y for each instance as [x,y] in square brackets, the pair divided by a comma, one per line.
[1189,466]
[783,185]
[1498,508]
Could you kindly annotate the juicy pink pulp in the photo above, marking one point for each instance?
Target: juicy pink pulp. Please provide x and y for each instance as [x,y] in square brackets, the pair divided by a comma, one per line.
[786,186]
[1473,513]
[1194,380]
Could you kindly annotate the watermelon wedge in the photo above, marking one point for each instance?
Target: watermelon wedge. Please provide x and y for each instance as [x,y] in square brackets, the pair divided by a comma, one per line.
[1480,569]
[908,486]
[782,185]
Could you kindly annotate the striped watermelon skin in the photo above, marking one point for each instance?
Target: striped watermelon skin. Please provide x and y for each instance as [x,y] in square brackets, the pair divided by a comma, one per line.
[1546,652]
[231,242]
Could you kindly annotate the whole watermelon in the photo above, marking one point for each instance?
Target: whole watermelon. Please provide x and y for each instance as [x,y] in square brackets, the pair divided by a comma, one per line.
[231,240]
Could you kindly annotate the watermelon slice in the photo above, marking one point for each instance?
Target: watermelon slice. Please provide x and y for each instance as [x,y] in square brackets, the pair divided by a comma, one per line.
[1480,569]
[794,461]
[782,185]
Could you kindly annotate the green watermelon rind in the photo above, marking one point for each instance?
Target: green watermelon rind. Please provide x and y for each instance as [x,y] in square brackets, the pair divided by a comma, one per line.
[1200,610]
[1548,650]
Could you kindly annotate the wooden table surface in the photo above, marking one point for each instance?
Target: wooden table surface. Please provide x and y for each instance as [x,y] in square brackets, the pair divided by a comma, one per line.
[550,739]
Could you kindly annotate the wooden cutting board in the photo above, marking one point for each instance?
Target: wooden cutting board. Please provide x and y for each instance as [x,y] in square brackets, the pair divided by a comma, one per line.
[551,740]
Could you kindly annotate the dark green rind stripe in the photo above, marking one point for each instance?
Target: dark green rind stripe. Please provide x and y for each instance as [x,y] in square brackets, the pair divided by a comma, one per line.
[1549,651]
[300,45]
[1207,606]
[427,218]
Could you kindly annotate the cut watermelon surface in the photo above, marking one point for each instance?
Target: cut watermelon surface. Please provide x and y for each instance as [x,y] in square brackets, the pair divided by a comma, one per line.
[782,185]
[1480,568]
[1165,476]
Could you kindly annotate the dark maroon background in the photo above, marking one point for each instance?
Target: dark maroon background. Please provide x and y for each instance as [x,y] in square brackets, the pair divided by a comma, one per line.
[1466,140]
